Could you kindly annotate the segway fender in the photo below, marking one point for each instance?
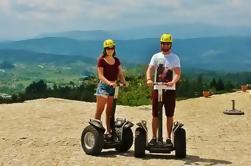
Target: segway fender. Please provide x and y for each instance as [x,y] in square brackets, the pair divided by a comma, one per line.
[97,124]
[177,126]
[128,124]
[142,124]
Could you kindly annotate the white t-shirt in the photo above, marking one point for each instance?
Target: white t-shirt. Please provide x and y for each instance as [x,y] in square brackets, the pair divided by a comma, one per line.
[168,61]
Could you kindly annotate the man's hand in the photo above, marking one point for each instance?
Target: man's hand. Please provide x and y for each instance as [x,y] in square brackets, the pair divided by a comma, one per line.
[149,82]
[170,83]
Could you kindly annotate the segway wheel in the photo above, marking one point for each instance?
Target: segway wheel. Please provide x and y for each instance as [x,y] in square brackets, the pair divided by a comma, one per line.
[140,142]
[180,143]
[92,140]
[127,140]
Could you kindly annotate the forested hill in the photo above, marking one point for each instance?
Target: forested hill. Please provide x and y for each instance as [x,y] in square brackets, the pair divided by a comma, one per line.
[214,53]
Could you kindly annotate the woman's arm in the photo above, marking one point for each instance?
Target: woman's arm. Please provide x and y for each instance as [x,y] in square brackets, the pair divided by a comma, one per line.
[101,76]
[121,75]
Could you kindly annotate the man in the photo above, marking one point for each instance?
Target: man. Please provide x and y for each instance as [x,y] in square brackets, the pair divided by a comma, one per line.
[172,74]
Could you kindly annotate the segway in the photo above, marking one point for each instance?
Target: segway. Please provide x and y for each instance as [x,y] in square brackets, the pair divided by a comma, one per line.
[93,139]
[179,133]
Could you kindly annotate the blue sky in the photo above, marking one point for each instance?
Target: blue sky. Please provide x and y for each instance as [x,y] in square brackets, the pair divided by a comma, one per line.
[27,18]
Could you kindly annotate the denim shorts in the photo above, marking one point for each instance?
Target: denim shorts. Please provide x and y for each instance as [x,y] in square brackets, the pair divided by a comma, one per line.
[104,90]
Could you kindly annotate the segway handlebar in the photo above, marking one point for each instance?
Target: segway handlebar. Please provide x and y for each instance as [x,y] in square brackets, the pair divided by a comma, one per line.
[160,83]
[117,86]
[120,84]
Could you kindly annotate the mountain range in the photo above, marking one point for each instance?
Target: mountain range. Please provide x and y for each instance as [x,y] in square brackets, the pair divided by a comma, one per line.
[198,45]
[213,53]
[180,31]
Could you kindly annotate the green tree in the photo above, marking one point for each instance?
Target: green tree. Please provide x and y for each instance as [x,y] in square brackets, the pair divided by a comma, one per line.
[220,85]
[213,84]
[36,90]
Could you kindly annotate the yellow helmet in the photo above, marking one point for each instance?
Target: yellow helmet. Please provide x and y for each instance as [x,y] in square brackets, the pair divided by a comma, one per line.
[166,38]
[108,43]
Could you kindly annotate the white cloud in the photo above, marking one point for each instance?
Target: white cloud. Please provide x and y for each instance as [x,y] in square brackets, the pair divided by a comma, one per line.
[4,6]
[36,16]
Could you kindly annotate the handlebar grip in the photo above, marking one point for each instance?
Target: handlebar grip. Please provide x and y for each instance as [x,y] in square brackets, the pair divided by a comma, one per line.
[119,84]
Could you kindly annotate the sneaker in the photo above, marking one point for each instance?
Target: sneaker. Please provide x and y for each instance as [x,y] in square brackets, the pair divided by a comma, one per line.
[152,142]
[169,142]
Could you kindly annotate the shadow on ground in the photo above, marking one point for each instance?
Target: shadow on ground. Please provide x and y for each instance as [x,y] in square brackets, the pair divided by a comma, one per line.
[189,160]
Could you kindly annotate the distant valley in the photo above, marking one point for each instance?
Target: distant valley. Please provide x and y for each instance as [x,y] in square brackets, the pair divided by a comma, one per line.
[69,56]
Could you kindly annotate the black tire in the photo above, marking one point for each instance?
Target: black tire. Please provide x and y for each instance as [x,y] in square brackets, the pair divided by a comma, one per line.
[140,142]
[96,144]
[180,143]
[127,140]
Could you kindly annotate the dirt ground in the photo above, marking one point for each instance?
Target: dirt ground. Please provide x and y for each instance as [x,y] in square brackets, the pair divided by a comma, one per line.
[47,132]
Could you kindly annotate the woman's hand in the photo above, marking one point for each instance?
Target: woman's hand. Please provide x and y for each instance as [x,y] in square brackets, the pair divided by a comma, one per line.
[126,84]
[112,84]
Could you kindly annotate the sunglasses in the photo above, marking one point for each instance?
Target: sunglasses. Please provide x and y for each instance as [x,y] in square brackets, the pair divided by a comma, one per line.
[108,48]
[166,43]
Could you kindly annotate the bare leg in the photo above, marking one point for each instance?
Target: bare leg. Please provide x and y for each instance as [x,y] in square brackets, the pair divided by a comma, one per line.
[109,113]
[101,101]
[154,126]
[169,126]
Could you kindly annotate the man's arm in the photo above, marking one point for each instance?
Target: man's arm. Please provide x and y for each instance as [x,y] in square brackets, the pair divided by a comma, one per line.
[149,74]
[176,77]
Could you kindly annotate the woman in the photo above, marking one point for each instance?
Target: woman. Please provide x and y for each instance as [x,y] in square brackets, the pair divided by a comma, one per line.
[109,70]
